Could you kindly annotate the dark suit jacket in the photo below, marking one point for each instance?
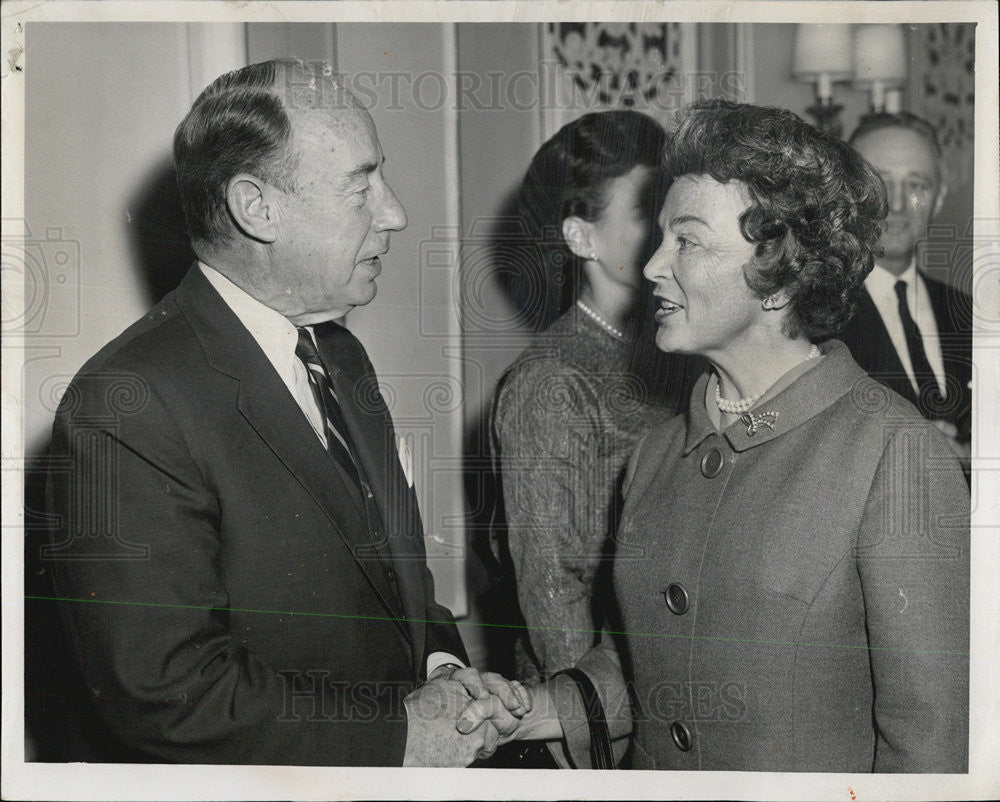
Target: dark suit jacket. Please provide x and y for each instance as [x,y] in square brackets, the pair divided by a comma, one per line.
[220,586]
[868,339]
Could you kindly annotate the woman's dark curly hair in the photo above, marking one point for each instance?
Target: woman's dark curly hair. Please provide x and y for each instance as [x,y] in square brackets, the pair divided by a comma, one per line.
[817,206]
[569,176]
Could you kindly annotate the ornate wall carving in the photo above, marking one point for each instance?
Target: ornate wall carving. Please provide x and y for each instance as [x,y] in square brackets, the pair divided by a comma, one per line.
[589,66]
[942,89]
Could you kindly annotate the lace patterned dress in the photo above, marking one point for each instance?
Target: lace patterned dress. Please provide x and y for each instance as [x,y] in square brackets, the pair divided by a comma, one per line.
[566,416]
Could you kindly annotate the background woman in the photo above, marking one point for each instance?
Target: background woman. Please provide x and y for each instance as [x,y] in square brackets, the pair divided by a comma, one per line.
[569,410]
[803,599]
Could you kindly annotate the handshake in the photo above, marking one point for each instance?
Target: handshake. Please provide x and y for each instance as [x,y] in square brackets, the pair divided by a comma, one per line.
[461,714]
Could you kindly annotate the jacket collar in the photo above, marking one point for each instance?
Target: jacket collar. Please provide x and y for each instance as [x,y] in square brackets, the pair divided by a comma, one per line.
[805,398]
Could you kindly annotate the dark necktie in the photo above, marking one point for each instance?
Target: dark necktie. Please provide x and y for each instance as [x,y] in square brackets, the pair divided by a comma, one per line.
[337,436]
[927,387]
[341,447]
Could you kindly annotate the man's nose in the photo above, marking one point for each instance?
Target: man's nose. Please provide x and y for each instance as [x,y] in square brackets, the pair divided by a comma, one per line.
[896,196]
[391,214]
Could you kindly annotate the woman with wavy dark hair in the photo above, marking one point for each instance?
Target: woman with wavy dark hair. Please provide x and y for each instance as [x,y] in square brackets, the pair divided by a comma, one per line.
[569,410]
[799,598]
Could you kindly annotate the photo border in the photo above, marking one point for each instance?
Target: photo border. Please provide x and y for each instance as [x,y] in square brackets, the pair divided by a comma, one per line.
[103,781]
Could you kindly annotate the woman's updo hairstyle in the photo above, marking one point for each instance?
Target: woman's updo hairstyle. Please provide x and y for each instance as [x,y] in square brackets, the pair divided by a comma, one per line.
[569,176]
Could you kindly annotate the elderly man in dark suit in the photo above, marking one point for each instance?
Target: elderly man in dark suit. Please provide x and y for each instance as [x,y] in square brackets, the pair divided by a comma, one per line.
[912,333]
[240,561]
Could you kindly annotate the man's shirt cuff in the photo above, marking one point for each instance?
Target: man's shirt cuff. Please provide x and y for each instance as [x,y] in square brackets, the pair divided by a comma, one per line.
[437,659]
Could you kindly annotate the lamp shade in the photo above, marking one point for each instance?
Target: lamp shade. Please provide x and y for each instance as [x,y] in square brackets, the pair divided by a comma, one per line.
[879,55]
[822,50]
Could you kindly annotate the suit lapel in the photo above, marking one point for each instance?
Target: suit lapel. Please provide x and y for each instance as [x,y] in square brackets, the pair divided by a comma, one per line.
[873,350]
[950,307]
[953,316]
[374,437]
[268,407]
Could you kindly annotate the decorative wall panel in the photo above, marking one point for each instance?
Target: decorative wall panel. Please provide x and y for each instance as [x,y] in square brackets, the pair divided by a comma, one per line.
[942,88]
[590,66]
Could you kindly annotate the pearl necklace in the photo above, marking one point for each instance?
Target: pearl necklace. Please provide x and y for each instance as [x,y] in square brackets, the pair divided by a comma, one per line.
[600,321]
[744,404]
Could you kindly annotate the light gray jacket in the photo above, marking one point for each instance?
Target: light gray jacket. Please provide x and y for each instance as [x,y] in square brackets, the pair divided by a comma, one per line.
[825,564]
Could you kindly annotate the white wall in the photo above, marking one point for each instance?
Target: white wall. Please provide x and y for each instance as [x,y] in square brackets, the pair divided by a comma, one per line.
[91,143]
[411,328]
[496,146]
[771,62]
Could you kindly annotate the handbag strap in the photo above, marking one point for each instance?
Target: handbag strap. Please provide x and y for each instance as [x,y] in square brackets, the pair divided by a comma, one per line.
[601,754]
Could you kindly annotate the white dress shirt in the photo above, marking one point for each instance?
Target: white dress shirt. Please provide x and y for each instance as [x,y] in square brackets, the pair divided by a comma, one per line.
[277,338]
[881,285]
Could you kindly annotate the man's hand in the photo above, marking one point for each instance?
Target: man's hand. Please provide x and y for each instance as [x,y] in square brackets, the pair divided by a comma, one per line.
[541,721]
[432,738]
[511,696]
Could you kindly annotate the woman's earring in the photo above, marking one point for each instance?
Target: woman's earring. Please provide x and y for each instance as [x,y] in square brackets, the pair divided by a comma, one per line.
[769,302]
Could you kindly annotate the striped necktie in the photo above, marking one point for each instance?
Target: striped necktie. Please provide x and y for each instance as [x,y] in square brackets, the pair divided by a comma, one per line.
[338,439]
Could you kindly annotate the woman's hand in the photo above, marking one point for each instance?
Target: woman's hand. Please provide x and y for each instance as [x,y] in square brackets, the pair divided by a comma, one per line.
[505,702]
[539,721]
[511,694]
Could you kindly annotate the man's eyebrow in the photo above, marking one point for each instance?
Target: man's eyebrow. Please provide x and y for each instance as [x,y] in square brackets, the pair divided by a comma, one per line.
[364,169]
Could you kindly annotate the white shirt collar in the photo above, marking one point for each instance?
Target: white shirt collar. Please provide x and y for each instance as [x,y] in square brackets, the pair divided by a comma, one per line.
[882,283]
[273,332]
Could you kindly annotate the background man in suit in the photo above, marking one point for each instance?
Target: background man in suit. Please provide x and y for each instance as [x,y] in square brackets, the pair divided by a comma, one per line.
[240,559]
[912,333]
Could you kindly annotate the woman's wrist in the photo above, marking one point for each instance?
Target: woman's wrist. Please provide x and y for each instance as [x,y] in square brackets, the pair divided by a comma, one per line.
[541,723]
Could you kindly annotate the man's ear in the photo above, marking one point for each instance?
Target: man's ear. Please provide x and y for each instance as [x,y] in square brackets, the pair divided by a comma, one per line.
[253,207]
[576,232]
[939,198]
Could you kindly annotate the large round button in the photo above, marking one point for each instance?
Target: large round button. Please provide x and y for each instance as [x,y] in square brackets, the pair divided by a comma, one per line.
[711,463]
[681,736]
[677,598]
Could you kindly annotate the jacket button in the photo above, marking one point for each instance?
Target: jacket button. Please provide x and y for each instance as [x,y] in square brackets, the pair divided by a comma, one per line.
[681,736]
[677,598]
[711,463]
[392,575]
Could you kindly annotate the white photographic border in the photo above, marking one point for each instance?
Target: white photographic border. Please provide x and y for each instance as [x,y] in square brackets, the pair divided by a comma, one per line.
[105,782]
